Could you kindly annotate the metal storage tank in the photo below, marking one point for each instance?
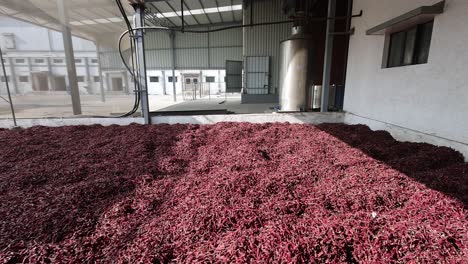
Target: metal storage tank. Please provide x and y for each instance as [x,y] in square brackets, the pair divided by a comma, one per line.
[295,70]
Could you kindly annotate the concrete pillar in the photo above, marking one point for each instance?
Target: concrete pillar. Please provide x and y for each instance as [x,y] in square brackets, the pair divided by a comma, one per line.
[13,79]
[69,56]
[328,56]
[50,75]
[49,36]
[88,76]
[8,88]
[101,82]
[106,75]
[30,70]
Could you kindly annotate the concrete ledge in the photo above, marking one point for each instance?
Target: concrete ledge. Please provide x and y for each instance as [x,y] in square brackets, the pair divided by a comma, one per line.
[407,134]
[294,118]
[56,122]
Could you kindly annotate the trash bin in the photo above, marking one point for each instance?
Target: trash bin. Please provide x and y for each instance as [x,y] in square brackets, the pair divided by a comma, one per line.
[315,97]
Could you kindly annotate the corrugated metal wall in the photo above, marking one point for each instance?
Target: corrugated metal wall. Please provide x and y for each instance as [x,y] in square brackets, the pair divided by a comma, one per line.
[265,40]
[193,51]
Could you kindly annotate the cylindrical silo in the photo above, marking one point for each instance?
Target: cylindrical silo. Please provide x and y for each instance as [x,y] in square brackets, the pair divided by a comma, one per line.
[295,70]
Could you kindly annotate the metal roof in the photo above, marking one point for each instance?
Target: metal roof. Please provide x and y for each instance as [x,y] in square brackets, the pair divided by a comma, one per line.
[94,19]
[196,12]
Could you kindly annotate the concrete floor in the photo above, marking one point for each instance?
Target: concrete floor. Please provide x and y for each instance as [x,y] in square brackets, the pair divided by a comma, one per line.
[230,103]
[59,105]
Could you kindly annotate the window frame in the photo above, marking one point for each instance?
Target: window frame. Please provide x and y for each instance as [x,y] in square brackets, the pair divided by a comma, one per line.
[23,79]
[210,79]
[169,79]
[154,79]
[415,50]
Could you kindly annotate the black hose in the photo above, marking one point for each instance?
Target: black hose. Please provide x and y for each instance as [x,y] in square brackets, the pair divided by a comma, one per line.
[130,32]
[136,102]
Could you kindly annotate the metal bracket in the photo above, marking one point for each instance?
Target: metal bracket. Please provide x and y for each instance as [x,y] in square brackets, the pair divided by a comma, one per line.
[350,32]
[358,15]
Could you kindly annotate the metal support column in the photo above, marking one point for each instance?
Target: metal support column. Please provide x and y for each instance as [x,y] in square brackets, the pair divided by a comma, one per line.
[69,56]
[219,81]
[172,37]
[50,75]
[108,84]
[126,81]
[209,50]
[328,55]
[101,83]
[164,81]
[8,88]
[31,75]
[89,81]
[141,62]
[13,75]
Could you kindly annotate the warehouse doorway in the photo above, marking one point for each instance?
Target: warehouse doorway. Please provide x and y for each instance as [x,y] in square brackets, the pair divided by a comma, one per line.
[60,83]
[40,81]
[191,89]
[117,84]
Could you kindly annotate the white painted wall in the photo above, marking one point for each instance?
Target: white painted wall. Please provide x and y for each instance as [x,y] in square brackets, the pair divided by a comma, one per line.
[29,37]
[156,88]
[430,98]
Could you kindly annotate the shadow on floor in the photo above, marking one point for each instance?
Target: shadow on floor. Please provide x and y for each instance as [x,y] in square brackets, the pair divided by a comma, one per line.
[439,168]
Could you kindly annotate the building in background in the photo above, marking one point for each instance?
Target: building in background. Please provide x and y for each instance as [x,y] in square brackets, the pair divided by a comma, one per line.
[35,59]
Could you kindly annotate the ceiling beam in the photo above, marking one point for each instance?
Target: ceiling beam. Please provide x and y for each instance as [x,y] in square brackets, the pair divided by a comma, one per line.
[108,27]
[159,11]
[219,13]
[203,7]
[173,10]
[188,9]
[232,13]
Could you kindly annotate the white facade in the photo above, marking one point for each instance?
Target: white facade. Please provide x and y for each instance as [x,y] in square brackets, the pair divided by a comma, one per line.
[430,99]
[157,88]
[31,52]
